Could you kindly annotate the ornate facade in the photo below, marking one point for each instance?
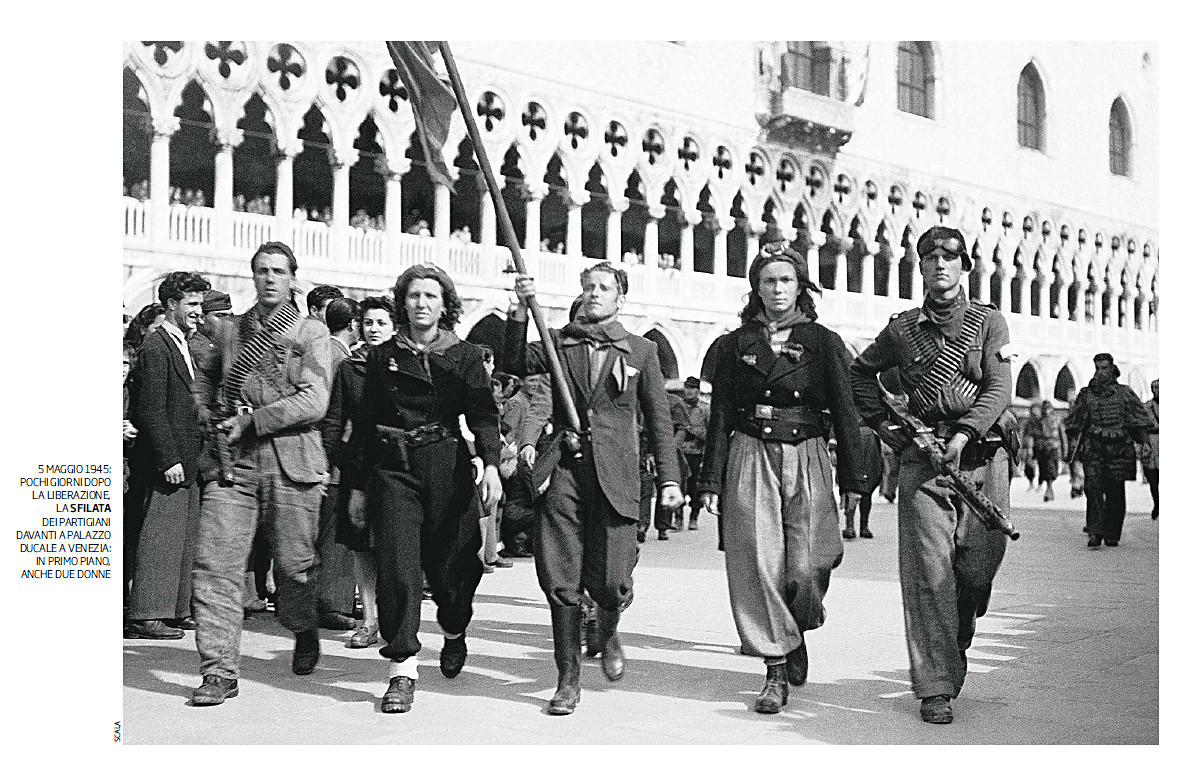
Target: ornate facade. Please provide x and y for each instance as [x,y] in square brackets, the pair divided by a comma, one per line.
[658,151]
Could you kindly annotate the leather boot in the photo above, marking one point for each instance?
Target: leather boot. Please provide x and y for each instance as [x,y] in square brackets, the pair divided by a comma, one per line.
[864,529]
[848,533]
[775,690]
[797,664]
[567,647]
[594,643]
[306,652]
[613,663]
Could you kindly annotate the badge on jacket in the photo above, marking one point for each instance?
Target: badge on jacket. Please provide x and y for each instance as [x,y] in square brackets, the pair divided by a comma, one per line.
[793,351]
[392,366]
[749,359]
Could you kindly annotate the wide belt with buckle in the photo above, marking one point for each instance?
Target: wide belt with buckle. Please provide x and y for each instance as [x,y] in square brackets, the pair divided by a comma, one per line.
[396,443]
[791,424]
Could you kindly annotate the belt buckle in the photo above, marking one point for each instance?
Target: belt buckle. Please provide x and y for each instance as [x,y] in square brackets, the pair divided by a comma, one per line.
[242,410]
[764,412]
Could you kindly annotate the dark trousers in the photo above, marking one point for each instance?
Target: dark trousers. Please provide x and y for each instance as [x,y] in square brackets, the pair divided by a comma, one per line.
[165,554]
[864,504]
[1105,502]
[694,461]
[133,523]
[336,582]
[1152,475]
[582,543]
[424,518]
[648,514]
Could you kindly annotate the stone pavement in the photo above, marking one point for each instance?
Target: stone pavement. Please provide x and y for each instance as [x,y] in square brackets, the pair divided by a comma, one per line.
[1067,655]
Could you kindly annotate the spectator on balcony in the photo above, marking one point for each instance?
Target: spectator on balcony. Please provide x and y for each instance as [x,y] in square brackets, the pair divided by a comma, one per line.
[419,227]
[239,203]
[381,223]
[300,214]
[146,321]
[360,219]
[163,408]
[318,298]
[630,257]
[175,196]
[200,199]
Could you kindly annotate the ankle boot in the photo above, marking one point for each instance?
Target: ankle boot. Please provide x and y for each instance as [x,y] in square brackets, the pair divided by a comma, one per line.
[775,690]
[848,533]
[864,529]
[567,647]
[593,633]
[613,662]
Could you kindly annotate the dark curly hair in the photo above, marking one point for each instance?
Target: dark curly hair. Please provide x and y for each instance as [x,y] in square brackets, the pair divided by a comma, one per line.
[180,283]
[781,252]
[452,308]
[381,302]
[138,327]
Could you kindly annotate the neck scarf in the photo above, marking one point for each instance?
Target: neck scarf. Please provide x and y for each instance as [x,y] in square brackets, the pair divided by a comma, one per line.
[597,334]
[947,315]
[442,341]
[785,321]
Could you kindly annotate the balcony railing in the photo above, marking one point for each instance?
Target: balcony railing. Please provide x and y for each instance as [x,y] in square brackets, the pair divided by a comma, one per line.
[682,295]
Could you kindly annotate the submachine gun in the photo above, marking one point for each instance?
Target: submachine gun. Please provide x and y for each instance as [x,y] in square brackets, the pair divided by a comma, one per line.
[926,441]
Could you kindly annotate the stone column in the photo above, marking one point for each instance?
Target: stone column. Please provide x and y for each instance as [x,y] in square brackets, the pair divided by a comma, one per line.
[163,130]
[284,193]
[754,231]
[720,246]
[841,274]
[573,224]
[691,220]
[224,184]
[813,255]
[341,218]
[614,228]
[868,273]
[984,269]
[651,248]
[441,211]
[1046,290]
[533,195]
[393,218]
[489,227]
[897,254]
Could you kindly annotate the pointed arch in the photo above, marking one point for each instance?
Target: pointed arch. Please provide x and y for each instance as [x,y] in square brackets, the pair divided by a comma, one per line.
[1121,139]
[1031,109]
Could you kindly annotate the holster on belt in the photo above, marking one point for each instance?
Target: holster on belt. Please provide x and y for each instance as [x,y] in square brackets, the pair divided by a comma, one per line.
[395,444]
[790,425]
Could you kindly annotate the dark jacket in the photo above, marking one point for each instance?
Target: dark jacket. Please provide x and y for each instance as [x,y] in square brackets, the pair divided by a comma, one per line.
[986,364]
[747,373]
[1107,419]
[345,396]
[163,411]
[398,393]
[606,410]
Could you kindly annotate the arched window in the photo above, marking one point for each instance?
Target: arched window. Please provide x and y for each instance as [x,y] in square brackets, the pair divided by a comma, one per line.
[1119,139]
[1031,109]
[916,78]
[807,66]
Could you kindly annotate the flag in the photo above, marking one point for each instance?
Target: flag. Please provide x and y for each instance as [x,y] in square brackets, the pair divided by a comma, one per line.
[432,101]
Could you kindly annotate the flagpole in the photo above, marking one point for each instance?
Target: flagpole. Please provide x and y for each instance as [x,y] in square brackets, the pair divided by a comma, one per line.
[559,384]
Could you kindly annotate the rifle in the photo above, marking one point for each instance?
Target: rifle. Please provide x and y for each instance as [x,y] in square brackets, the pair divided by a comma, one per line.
[926,441]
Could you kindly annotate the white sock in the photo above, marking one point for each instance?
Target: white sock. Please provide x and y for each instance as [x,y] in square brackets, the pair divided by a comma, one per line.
[452,636]
[403,668]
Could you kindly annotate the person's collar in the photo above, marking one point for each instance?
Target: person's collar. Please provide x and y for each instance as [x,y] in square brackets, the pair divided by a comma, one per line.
[174,331]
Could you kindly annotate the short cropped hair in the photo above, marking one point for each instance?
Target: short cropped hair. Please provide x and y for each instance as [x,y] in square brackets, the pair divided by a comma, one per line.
[276,247]
[340,312]
[320,296]
[619,274]
[382,302]
[180,283]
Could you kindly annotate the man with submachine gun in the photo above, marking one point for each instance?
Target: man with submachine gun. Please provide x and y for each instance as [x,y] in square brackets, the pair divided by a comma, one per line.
[957,438]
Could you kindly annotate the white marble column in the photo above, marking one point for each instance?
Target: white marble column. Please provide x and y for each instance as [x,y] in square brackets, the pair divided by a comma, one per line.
[721,249]
[868,274]
[651,245]
[532,199]
[754,231]
[163,130]
[897,254]
[283,198]
[340,224]
[841,274]
[813,255]
[488,224]
[691,220]
[573,223]
[393,219]
[224,185]
[614,228]
[441,211]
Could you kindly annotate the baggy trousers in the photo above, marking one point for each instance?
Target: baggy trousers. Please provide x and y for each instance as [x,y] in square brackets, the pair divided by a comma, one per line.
[288,512]
[582,543]
[1105,501]
[336,580]
[424,518]
[947,562]
[782,540]
[165,555]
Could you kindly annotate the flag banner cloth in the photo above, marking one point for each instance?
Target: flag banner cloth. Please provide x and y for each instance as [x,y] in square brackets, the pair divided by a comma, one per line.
[432,101]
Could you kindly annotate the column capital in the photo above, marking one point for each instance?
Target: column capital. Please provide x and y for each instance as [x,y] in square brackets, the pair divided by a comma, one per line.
[693,218]
[166,126]
[577,198]
[345,157]
[534,190]
[817,237]
[617,204]
[228,137]
[291,148]
[657,212]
